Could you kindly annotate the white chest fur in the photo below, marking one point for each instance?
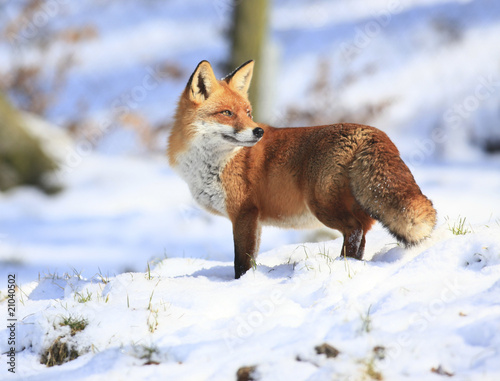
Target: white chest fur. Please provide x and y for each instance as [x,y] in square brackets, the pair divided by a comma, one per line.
[201,167]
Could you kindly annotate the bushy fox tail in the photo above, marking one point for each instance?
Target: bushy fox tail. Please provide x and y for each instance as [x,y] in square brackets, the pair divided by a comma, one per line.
[385,188]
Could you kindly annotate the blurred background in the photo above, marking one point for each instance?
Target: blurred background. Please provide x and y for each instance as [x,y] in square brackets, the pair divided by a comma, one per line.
[88,91]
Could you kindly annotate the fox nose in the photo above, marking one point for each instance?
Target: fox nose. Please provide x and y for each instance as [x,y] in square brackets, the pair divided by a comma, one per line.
[258,132]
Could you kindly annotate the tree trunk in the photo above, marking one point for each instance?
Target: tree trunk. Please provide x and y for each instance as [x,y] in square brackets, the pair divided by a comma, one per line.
[250,20]
[22,159]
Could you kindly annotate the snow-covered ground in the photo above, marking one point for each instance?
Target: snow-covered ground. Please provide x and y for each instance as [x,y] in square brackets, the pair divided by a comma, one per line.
[125,250]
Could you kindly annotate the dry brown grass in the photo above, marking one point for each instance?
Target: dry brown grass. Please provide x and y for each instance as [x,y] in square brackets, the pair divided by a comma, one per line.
[62,351]
[58,353]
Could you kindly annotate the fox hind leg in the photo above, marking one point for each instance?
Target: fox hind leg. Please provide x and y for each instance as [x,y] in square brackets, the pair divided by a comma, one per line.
[351,220]
[351,229]
[356,238]
[354,244]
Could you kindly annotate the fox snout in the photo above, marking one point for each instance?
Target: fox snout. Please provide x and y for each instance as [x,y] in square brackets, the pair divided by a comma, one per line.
[258,132]
[247,137]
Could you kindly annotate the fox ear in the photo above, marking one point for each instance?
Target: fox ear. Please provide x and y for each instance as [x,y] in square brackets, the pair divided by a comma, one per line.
[239,79]
[202,82]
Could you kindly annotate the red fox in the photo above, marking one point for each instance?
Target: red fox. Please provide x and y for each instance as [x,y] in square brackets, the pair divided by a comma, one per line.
[344,176]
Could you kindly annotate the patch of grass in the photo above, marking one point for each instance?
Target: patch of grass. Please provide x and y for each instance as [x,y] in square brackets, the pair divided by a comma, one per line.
[148,273]
[305,251]
[150,353]
[58,353]
[102,278]
[366,321]
[105,299]
[75,324]
[371,372]
[458,227]
[346,264]
[156,261]
[50,275]
[153,320]
[82,298]
[253,262]
[21,295]
[325,253]
[307,266]
[150,304]
[76,273]
[153,315]
[496,222]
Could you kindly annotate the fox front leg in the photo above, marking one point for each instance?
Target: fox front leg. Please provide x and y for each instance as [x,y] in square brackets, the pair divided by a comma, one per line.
[246,235]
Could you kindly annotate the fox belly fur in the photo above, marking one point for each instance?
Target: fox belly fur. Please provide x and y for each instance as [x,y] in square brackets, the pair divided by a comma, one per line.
[344,176]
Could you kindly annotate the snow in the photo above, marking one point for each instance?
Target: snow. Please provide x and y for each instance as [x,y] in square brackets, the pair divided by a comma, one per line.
[124,247]
[435,305]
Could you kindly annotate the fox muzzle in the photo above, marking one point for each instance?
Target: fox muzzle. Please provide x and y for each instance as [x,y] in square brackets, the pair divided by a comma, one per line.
[258,132]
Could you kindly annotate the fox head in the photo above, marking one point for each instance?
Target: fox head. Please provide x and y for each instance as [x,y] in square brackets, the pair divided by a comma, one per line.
[217,110]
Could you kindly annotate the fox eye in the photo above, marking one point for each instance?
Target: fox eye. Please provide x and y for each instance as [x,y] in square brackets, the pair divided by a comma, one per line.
[249,114]
[227,113]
